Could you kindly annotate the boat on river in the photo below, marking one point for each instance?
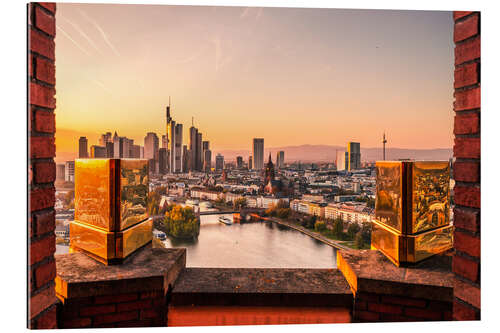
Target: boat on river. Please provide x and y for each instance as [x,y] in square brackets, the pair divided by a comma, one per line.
[225,220]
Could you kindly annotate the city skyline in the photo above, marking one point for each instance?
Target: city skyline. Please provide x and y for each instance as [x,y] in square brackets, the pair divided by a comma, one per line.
[228,79]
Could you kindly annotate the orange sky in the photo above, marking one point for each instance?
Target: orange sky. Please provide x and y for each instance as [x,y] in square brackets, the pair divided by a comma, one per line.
[292,76]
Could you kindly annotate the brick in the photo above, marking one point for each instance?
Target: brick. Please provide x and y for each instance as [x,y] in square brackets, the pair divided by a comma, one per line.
[467,148]
[44,222]
[42,198]
[76,323]
[41,44]
[468,51]
[466,219]
[121,307]
[385,308]
[45,172]
[116,317]
[423,313]
[468,196]
[48,319]
[51,6]
[466,75]
[45,273]
[466,268]
[115,298]
[45,22]
[467,99]
[467,292]
[403,301]
[468,244]
[45,70]
[448,315]
[366,316]
[45,121]
[466,172]
[388,317]
[97,310]
[361,305]
[31,59]
[152,294]
[466,28]
[466,123]
[42,96]
[440,306]
[150,313]
[368,297]
[43,248]
[464,312]
[42,147]
[40,301]
[457,15]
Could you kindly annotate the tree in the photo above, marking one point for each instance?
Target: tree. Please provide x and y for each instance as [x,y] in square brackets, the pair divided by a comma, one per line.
[366,232]
[283,213]
[181,222]
[358,240]
[240,203]
[338,227]
[320,226]
[352,230]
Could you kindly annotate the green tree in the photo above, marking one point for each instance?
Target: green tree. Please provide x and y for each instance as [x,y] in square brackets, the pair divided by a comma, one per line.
[240,203]
[181,222]
[283,213]
[358,240]
[352,230]
[320,226]
[338,228]
[366,232]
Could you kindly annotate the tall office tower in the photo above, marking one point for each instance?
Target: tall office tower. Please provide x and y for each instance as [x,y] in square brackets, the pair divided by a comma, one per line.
[171,147]
[117,146]
[193,137]
[219,162]
[109,149]
[258,153]
[239,162]
[341,160]
[142,152]
[127,147]
[250,165]
[207,160]
[176,152]
[280,159]
[60,171]
[69,171]
[199,152]
[151,143]
[105,138]
[82,147]
[205,145]
[135,151]
[163,160]
[97,151]
[354,156]
[164,141]
[185,159]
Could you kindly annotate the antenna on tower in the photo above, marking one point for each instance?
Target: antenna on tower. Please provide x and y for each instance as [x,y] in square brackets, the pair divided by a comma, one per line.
[384,141]
[168,101]
[192,121]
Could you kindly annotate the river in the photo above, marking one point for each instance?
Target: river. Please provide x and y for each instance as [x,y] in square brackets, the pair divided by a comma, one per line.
[256,244]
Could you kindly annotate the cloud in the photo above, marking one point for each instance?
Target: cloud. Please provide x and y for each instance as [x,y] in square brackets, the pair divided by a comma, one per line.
[72,40]
[101,31]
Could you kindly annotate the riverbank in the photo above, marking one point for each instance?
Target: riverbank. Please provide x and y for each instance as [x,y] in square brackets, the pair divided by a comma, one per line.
[316,235]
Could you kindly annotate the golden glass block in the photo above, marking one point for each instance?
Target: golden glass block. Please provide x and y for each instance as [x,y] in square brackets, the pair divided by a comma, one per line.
[412,210]
[134,237]
[111,194]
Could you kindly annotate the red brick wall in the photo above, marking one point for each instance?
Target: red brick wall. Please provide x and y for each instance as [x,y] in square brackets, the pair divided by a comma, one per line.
[41,167]
[143,309]
[467,151]
[370,307]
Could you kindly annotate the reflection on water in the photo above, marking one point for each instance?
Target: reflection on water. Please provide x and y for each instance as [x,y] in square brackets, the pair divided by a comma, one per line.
[259,244]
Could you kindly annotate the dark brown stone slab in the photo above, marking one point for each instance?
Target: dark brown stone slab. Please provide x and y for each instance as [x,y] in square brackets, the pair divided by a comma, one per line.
[370,271]
[149,269]
[261,287]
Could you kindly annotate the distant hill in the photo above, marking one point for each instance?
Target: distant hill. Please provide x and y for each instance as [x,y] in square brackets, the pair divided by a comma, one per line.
[324,153]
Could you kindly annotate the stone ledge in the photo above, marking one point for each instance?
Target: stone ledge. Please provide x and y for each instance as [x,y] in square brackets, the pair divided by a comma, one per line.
[370,271]
[261,287]
[149,269]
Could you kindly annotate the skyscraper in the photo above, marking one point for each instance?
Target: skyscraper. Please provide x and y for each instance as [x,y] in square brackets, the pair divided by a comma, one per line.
[69,171]
[185,159]
[117,146]
[82,147]
[239,162]
[199,152]
[163,160]
[205,145]
[207,160]
[341,160]
[219,162]
[354,156]
[176,151]
[193,138]
[151,144]
[97,151]
[258,153]
[105,138]
[60,171]
[280,159]
[250,165]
